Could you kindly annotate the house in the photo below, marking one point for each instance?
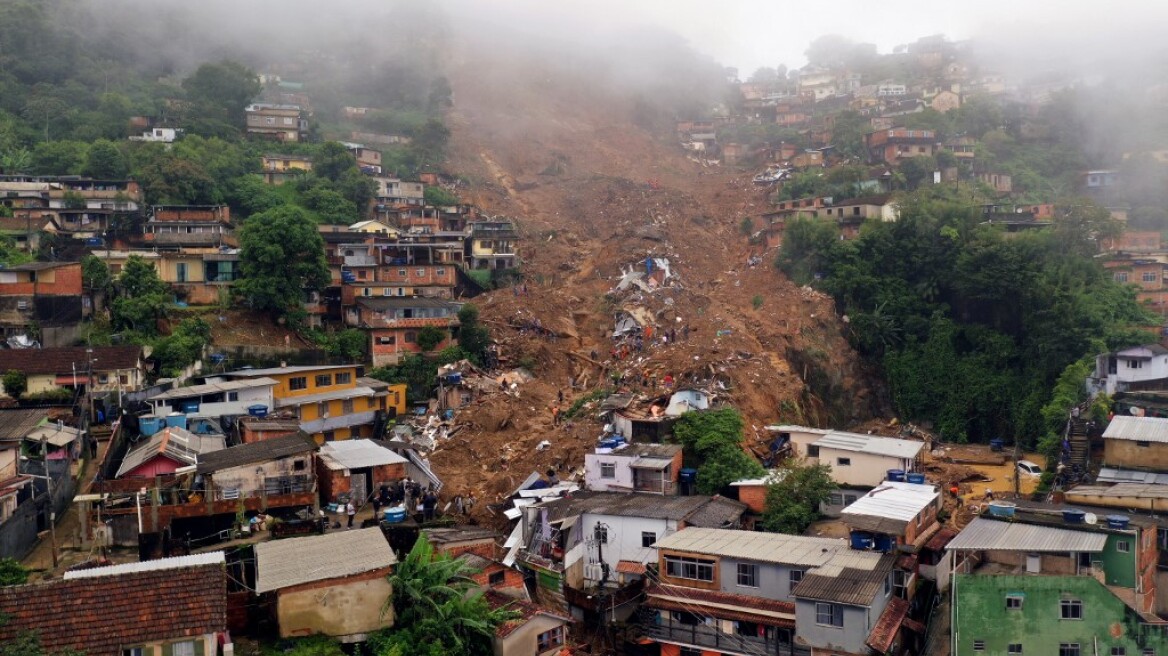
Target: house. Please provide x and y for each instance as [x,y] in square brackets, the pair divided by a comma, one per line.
[888,90]
[329,400]
[199,275]
[891,146]
[277,122]
[395,191]
[393,324]
[945,101]
[172,606]
[651,468]
[602,541]
[1134,241]
[455,541]
[334,584]
[46,294]
[19,508]
[1147,273]
[278,169]
[963,148]
[25,233]
[114,368]
[368,160]
[356,469]
[492,574]
[189,226]
[855,459]
[159,135]
[1000,183]
[491,245]
[535,631]
[1135,368]
[1098,181]
[1136,443]
[854,604]
[729,590]
[375,228]
[270,469]
[1040,576]
[258,429]
[70,206]
[894,515]
[229,397]
[167,451]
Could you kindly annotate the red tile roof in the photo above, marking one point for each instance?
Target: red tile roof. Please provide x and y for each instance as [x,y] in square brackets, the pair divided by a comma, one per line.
[526,610]
[101,614]
[630,567]
[656,593]
[888,625]
[62,360]
[942,538]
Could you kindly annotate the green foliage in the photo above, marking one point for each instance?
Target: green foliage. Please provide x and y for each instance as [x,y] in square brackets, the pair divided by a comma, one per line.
[317,645]
[756,301]
[332,160]
[349,344]
[11,571]
[417,372]
[580,401]
[183,346]
[15,385]
[747,226]
[221,91]
[473,337]
[429,337]
[713,440]
[724,465]
[95,274]
[972,329]
[105,162]
[282,256]
[792,502]
[142,298]
[439,197]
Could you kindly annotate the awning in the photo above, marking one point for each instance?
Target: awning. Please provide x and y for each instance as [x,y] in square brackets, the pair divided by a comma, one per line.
[70,379]
[651,463]
[54,435]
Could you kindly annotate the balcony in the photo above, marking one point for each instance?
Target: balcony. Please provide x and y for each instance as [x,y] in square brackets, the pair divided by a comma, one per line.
[654,487]
[710,638]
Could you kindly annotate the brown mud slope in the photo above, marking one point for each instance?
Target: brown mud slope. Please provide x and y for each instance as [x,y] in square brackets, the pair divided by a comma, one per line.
[593,194]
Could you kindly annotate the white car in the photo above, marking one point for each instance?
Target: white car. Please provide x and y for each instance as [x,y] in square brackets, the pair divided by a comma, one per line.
[1027,468]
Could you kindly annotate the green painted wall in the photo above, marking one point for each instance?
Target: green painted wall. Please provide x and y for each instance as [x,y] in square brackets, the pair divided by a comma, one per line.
[1120,567]
[980,602]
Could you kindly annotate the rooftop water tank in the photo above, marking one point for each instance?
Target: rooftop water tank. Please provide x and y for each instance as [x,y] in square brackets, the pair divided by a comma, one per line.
[1002,508]
[1118,521]
[896,475]
[919,479]
[1074,516]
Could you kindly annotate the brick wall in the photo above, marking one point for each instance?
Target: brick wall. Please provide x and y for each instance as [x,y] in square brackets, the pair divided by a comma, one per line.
[753,496]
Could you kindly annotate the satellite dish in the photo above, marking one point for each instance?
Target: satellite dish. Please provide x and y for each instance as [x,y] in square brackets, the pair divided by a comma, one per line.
[1090,518]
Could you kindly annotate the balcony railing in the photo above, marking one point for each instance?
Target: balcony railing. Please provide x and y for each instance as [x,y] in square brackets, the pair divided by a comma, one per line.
[705,636]
[658,487]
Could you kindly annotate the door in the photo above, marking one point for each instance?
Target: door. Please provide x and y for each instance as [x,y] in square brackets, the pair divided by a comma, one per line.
[357,482]
[180,272]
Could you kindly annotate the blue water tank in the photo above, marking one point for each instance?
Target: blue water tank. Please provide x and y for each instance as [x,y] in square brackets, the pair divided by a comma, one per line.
[190,407]
[919,479]
[395,515]
[176,419]
[997,444]
[896,475]
[884,543]
[862,541]
[688,475]
[1002,508]
[1118,521]
[258,410]
[150,424]
[1074,516]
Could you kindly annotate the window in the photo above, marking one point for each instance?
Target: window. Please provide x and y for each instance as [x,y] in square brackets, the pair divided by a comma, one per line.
[1123,546]
[103,379]
[185,648]
[600,532]
[888,584]
[1135,364]
[386,291]
[1014,648]
[1149,276]
[402,273]
[1071,609]
[1147,651]
[1069,649]
[322,409]
[1120,276]
[849,499]
[329,436]
[829,615]
[747,575]
[497,578]
[550,639]
[1143,443]
[648,538]
[123,379]
[298,383]
[1014,601]
[411,337]
[1118,651]
[812,451]
[390,339]
[344,378]
[836,499]
[421,273]
[233,396]
[133,651]
[689,568]
[347,406]
[324,380]
[440,271]
[979,645]
[287,121]
[608,470]
[298,465]
[843,462]
[270,120]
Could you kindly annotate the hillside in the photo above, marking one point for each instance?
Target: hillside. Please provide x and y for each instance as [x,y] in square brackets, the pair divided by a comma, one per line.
[595,195]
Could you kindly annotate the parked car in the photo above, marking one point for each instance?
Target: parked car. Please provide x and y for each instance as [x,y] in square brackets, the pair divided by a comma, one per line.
[1027,468]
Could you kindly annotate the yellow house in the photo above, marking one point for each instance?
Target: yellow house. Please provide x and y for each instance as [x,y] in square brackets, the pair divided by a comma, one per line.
[278,169]
[331,402]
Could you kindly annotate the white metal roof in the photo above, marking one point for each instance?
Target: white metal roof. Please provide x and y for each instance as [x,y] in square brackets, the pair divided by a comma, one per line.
[335,395]
[992,535]
[54,434]
[791,428]
[1142,429]
[754,545]
[650,463]
[893,500]
[874,444]
[193,560]
[293,561]
[212,388]
[355,454]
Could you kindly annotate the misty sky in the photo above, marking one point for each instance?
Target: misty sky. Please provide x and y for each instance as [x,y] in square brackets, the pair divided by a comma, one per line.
[748,34]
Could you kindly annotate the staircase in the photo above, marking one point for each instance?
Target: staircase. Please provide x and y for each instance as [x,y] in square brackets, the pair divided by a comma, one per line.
[1080,443]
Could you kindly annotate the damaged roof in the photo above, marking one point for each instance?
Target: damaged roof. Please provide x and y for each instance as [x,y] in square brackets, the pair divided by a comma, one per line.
[753,545]
[649,506]
[850,577]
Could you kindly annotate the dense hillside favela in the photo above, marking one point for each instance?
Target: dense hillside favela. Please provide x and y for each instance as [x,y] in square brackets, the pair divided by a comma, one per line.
[395,328]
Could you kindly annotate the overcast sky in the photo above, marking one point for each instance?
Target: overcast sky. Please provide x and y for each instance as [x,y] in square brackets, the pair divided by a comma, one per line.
[748,34]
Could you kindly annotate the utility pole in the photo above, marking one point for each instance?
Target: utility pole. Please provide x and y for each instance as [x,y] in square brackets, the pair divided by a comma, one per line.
[48,478]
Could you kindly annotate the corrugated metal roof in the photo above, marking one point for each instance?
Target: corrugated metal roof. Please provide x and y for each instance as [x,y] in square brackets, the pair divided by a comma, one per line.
[1141,429]
[355,454]
[754,545]
[211,388]
[874,444]
[335,395]
[650,463]
[893,500]
[992,535]
[854,579]
[1116,475]
[293,561]
[1129,490]
[178,444]
[193,560]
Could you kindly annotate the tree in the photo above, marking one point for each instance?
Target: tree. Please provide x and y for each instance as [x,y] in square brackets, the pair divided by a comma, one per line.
[809,248]
[12,572]
[183,347]
[430,337]
[723,466]
[15,385]
[282,257]
[105,162]
[332,160]
[222,91]
[713,441]
[473,337]
[142,298]
[793,500]
[16,160]
[439,197]
[59,157]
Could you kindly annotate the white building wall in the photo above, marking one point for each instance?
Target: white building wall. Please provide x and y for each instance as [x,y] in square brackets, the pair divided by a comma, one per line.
[623,481]
[624,540]
[866,469]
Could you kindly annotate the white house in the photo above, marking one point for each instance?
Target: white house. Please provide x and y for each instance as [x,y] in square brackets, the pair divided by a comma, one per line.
[232,397]
[855,459]
[888,90]
[159,135]
[649,468]
[1130,368]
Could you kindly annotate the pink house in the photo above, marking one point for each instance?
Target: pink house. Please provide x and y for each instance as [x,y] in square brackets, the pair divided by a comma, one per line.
[165,452]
